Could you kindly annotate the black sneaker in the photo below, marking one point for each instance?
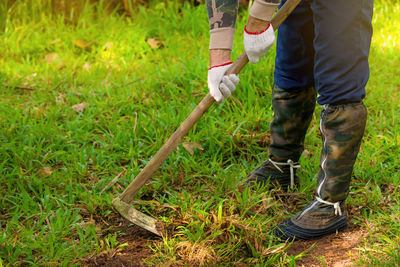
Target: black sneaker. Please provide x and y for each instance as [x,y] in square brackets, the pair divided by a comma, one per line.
[277,173]
[318,219]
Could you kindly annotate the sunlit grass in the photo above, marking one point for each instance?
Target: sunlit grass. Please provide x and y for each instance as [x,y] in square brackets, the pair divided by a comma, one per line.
[386,28]
[55,160]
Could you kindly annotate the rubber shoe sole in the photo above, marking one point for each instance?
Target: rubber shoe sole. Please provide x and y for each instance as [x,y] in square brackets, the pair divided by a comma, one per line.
[290,231]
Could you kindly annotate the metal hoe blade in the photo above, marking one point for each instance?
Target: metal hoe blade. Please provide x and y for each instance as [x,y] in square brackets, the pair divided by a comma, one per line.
[140,219]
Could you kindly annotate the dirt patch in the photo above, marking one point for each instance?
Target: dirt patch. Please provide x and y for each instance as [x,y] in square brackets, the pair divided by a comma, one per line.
[137,242]
[334,250]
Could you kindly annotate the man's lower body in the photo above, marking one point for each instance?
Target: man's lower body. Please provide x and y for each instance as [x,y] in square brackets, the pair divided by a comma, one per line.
[324,45]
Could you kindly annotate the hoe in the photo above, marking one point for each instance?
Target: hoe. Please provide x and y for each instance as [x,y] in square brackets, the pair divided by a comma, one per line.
[122,203]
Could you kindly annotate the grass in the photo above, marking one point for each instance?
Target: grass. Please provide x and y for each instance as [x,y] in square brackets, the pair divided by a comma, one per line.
[55,160]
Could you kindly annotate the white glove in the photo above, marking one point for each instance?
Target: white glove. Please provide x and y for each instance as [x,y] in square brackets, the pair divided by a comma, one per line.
[221,86]
[257,44]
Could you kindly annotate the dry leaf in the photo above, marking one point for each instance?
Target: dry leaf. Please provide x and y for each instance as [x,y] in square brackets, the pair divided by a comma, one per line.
[153,43]
[80,107]
[53,59]
[86,66]
[109,46]
[82,44]
[46,171]
[190,147]
[50,58]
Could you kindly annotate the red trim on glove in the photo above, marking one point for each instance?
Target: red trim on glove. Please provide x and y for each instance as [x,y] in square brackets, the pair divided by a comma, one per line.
[256,33]
[227,63]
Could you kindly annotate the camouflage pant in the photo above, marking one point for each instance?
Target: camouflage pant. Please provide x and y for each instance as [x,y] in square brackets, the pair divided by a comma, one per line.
[293,110]
[342,128]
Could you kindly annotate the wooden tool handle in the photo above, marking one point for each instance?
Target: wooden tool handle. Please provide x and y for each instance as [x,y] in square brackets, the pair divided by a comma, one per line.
[197,113]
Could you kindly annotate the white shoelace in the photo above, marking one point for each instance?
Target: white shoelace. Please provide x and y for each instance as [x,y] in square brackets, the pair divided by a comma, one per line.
[335,205]
[293,165]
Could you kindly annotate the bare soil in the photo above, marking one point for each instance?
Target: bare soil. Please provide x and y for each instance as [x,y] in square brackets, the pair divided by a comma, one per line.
[334,250]
[137,239]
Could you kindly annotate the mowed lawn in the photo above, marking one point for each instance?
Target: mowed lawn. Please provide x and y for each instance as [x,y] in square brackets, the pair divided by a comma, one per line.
[85,98]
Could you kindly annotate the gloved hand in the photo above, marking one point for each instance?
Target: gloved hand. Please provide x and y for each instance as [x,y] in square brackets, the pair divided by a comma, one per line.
[258,43]
[221,86]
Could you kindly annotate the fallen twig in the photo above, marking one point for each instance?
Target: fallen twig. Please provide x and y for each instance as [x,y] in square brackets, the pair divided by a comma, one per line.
[19,87]
[113,181]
